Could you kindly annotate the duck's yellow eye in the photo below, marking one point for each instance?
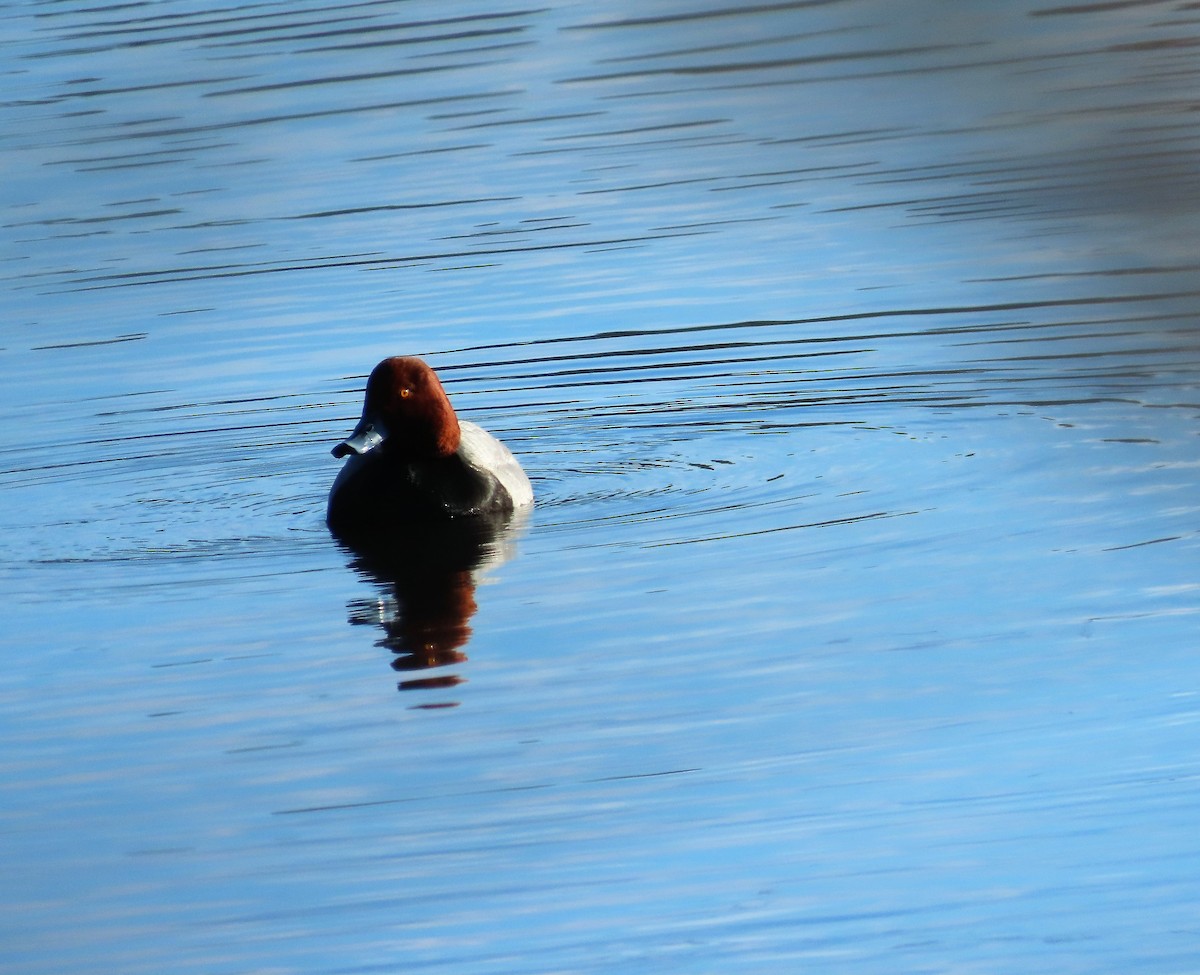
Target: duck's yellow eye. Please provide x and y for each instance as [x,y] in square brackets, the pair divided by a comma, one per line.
[405,392]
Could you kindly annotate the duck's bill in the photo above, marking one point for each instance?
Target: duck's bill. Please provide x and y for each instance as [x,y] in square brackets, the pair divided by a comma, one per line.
[368,435]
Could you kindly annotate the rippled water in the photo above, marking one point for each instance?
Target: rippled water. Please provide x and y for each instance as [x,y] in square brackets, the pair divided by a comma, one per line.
[851,348]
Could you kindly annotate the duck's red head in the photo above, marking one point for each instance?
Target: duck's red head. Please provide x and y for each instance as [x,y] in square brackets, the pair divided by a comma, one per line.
[407,410]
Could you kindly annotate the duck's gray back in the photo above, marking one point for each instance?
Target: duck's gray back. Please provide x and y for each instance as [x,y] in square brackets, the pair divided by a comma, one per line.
[480,450]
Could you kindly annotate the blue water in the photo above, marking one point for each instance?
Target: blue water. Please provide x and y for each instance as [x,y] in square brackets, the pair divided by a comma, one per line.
[852,354]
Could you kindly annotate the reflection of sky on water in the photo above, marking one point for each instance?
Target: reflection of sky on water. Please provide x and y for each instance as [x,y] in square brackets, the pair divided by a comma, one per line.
[834,148]
[851,349]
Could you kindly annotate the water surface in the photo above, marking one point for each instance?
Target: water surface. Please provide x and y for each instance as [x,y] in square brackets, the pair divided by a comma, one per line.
[852,353]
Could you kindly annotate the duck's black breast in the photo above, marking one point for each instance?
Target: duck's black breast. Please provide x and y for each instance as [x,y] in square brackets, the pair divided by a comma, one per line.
[376,491]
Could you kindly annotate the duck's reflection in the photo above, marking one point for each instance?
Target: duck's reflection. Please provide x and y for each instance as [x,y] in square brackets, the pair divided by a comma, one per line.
[427,574]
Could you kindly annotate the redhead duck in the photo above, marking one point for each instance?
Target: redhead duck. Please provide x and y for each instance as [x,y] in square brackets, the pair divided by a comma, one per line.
[412,460]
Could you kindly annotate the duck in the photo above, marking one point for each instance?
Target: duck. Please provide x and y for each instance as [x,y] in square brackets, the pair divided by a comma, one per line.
[412,461]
